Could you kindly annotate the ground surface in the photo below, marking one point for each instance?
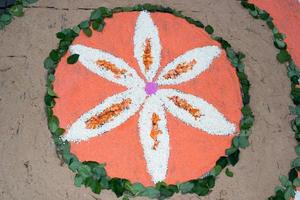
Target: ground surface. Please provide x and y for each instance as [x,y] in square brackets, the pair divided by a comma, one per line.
[29,167]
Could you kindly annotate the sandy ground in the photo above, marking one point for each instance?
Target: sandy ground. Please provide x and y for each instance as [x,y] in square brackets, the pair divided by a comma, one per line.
[29,167]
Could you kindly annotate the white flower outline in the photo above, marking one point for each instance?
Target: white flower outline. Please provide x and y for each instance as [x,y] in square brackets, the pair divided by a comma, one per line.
[211,120]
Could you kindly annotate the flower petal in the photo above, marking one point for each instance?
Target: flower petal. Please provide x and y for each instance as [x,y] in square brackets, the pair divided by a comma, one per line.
[109,114]
[196,112]
[297,195]
[107,66]
[154,138]
[147,46]
[188,65]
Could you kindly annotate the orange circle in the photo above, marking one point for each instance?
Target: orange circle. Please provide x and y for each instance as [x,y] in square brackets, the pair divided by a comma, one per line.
[192,152]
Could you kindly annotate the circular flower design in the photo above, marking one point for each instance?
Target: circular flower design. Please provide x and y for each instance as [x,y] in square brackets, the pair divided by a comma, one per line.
[151,98]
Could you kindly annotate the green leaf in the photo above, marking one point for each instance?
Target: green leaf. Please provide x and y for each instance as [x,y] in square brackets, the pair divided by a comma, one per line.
[210,181]
[105,12]
[223,162]
[209,29]
[283,180]
[283,56]
[228,173]
[60,35]
[293,174]
[243,142]
[186,187]
[51,93]
[78,180]
[2,25]
[264,15]
[297,149]
[254,13]
[5,18]
[91,164]
[27,2]
[247,122]
[278,35]
[74,165]
[296,182]
[280,44]
[289,193]
[84,171]
[88,32]
[278,188]
[76,29]
[93,184]
[98,26]
[235,142]
[201,188]
[73,59]
[150,192]
[231,150]
[59,131]
[296,162]
[246,110]
[104,183]
[99,171]
[117,186]
[96,14]
[16,10]
[49,101]
[49,63]
[54,55]
[84,24]
[137,188]
[234,157]
[216,170]
[230,53]
[53,124]
[50,80]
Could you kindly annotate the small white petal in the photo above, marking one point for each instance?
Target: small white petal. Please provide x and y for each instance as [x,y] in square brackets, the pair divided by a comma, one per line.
[297,196]
[78,131]
[89,57]
[211,120]
[201,59]
[145,29]
[157,159]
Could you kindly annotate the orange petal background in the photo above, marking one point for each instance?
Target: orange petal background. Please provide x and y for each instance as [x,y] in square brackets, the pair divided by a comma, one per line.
[286,14]
[192,152]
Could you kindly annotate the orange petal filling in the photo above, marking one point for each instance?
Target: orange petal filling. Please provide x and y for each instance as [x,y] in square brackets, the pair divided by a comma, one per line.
[180,69]
[111,67]
[155,131]
[147,57]
[181,103]
[108,114]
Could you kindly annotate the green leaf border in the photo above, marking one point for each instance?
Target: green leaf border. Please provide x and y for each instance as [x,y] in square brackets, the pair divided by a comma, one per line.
[16,10]
[288,183]
[92,174]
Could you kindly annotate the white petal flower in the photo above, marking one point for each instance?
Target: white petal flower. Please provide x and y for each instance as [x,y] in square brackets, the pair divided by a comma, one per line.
[152,123]
[107,66]
[188,65]
[97,121]
[147,47]
[195,112]
[154,138]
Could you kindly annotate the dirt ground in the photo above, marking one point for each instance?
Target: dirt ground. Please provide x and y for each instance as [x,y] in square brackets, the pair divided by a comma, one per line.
[29,167]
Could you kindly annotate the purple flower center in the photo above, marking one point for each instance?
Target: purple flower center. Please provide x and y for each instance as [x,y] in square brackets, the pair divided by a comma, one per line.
[151,88]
